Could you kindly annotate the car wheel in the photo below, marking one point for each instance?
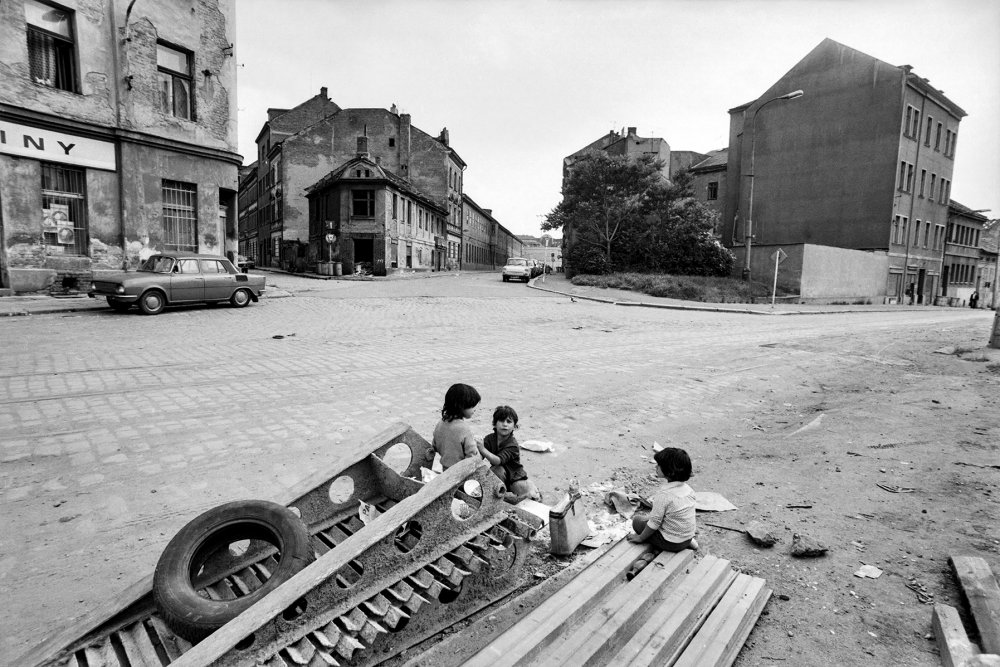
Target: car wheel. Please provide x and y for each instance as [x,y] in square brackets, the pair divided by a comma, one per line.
[506,278]
[240,298]
[118,306]
[152,302]
[215,538]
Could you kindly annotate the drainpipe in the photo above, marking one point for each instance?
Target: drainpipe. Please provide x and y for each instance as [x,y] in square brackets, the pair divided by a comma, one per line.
[916,165]
[118,123]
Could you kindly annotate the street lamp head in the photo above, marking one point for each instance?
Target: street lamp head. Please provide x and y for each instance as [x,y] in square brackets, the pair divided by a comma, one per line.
[792,95]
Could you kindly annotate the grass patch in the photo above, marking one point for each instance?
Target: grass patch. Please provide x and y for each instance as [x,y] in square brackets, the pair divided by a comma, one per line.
[707,289]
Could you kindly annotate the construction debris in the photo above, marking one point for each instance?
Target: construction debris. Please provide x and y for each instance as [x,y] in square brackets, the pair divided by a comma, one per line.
[804,546]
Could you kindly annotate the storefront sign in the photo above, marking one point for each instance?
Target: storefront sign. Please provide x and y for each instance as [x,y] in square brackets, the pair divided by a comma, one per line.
[51,146]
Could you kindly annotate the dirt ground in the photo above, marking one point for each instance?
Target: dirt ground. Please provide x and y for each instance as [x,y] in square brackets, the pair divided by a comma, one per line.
[808,460]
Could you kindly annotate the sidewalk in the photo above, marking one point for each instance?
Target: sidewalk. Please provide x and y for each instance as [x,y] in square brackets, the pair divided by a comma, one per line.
[558,284]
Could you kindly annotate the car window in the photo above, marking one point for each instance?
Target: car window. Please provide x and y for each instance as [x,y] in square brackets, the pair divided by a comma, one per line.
[212,266]
[157,264]
[516,262]
[187,266]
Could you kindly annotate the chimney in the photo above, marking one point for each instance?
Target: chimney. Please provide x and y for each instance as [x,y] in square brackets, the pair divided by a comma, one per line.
[631,131]
[444,136]
[404,145]
[362,146]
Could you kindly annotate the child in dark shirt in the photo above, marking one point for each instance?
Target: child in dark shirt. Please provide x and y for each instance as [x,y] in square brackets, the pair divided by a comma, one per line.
[500,448]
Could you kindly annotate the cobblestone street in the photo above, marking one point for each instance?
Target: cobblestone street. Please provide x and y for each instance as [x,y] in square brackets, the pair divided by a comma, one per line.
[116,429]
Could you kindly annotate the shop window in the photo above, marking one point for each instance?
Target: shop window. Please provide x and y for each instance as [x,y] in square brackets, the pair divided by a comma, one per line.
[64,209]
[363,203]
[51,50]
[180,216]
[174,75]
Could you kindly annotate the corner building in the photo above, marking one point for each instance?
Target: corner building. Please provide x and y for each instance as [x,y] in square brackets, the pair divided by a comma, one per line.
[117,135]
[863,160]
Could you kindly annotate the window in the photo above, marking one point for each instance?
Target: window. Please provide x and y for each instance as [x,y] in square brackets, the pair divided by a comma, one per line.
[915,130]
[930,195]
[64,209]
[902,174]
[175,81]
[909,178]
[713,190]
[363,203]
[180,216]
[923,177]
[954,140]
[927,133]
[916,233]
[927,234]
[937,140]
[395,204]
[947,141]
[186,266]
[909,117]
[51,51]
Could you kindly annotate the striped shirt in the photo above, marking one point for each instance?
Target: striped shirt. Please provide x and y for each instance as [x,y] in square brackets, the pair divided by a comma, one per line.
[673,512]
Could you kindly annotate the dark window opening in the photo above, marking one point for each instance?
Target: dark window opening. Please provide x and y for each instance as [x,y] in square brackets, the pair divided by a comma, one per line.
[713,191]
[174,78]
[51,51]
[363,203]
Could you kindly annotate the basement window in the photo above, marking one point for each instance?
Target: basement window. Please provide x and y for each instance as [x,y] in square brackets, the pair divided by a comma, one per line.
[51,49]
[174,78]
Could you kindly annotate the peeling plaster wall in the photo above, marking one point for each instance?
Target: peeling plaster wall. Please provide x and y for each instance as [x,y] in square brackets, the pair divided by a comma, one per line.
[122,106]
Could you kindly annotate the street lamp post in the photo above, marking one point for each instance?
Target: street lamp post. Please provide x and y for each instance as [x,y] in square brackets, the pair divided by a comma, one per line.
[748,241]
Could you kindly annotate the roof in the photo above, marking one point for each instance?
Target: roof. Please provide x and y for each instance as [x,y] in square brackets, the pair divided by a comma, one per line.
[717,159]
[962,209]
[341,174]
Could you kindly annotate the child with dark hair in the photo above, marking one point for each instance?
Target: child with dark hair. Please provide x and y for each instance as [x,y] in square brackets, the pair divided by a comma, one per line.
[500,448]
[453,438]
[670,525]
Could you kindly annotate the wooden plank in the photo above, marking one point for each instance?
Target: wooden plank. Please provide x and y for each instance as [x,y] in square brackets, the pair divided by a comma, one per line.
[616,619]
[167,638]
[983,595]
[953,643]
[663,637]
[101,655]
[138,646]
[547,621]
[720,639]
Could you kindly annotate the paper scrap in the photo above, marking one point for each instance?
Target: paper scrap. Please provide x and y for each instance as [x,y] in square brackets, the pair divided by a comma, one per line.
[869,571]
[537,446]
[709,501]
[367,513]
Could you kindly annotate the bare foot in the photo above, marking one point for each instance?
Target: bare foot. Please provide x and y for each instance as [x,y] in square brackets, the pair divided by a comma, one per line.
[693,545]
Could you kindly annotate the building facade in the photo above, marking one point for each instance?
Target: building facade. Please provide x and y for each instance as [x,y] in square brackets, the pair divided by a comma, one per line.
[373,221]
[117,135]
[962,273]
[486,244]
[626,143]
[862,160]
[708,183]
[300,146]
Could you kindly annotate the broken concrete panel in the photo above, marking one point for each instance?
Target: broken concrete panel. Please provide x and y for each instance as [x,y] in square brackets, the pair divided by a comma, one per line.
[24,281]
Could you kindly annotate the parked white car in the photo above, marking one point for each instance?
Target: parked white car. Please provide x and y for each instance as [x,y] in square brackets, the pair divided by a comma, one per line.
[518,268]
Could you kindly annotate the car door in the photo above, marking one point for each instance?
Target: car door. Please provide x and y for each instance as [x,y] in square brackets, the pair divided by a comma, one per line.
[219,283]
[186,282]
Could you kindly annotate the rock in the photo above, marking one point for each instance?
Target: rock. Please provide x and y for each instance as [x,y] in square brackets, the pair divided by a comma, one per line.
[804,546]
[761,534]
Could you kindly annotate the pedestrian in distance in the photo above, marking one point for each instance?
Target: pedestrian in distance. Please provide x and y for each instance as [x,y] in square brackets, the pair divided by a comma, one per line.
[503,452]
[453,438]
[974,300]
[670,524]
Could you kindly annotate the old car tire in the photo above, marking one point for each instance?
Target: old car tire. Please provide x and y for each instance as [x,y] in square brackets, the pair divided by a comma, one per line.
[194,617]
[152,302]
[118,306]
[240,298]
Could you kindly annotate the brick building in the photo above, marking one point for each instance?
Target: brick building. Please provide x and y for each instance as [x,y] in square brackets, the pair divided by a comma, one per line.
[298,147]
[117,135]
[486,244]
[862,161]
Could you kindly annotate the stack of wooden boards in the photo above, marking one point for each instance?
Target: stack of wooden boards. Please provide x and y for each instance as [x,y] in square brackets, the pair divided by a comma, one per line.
[983,596]
[681,609]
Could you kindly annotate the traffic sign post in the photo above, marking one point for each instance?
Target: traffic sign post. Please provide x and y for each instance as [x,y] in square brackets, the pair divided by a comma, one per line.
[778,257]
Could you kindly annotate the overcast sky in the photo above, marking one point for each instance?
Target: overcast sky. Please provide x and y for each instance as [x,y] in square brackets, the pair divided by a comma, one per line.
[522,84]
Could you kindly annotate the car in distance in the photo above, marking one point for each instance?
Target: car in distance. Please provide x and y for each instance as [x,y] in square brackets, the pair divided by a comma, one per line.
[244,263]
[169,279]
[518,268]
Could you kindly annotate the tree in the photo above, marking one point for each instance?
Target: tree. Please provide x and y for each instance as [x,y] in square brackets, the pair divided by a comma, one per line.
[603,195]
[637,220]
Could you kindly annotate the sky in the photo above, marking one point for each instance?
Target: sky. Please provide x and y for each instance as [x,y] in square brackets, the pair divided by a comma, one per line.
[522,84]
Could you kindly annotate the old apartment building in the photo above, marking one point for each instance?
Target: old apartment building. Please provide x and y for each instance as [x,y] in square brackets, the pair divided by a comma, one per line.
[486,243]
[861,161]
[298,151]
[117,135]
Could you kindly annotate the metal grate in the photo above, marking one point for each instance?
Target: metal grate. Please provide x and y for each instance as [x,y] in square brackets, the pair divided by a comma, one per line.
[64,209]
[180,216]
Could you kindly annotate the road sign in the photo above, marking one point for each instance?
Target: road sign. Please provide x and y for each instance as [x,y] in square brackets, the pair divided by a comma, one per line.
[779,255]
[330,238]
